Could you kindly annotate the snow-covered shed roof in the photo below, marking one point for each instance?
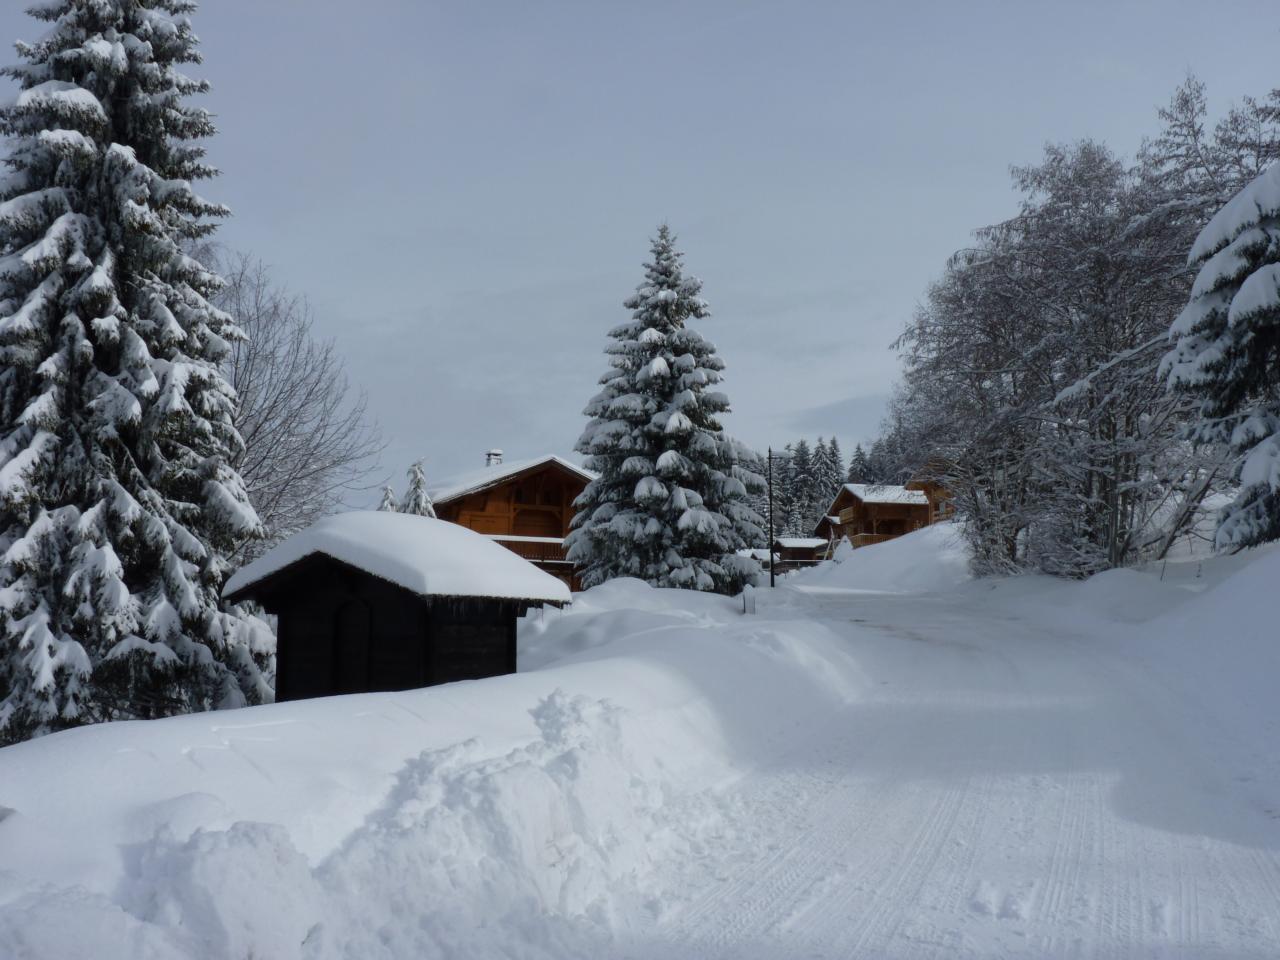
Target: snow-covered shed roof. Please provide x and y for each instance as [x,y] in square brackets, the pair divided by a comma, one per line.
[473,481]
[886,493]
[424,556]
[802,543]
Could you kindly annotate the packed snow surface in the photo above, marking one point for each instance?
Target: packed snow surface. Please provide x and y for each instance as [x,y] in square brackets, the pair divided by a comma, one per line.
[947,768]
[426,556]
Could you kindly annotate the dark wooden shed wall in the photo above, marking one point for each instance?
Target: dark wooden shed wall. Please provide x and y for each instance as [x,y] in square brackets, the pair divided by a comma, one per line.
[342,630]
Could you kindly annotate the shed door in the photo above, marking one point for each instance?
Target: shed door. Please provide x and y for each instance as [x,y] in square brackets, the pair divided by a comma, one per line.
[351,648]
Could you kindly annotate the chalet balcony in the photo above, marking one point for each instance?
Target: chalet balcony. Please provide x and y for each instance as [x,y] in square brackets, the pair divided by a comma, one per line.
[534,549]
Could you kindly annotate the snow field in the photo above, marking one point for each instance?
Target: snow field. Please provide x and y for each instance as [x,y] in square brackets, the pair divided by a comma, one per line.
[887,760]
[533,815]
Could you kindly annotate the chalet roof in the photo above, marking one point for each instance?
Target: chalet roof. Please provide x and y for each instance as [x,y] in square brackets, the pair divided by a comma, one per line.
[482,478]
[886,493]
[801,543]
[422,555]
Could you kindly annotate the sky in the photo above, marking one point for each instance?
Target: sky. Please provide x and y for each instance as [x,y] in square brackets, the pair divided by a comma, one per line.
[465,191]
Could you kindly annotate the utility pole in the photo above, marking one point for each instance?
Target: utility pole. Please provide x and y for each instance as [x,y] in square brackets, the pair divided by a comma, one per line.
[772,577]
[772,530]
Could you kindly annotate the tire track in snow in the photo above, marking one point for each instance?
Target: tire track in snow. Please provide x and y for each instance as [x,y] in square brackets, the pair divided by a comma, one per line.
[765,893]
[853,852]
[955,898]
[1074,845]
[897,882]
[839,857]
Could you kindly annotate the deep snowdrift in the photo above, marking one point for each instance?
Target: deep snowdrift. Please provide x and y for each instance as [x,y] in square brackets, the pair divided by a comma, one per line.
[1022,767]
[928,560]
[519,815]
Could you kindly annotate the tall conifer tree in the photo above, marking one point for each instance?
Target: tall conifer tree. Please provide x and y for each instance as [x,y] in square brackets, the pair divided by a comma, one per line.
[835,468]
[1227,352]
[802,489]
[785,507]
[858,469]
[670,504]
[829,471]
[117,504]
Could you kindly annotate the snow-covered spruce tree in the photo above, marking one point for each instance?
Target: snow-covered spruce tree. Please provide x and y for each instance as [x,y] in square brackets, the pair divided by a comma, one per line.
[785,516]
[835,473]
[670,504]
[757,495]
[416,499]
[1227,352]
[389,504]
[117,504]
[804,490]
[857,466]
[828,473]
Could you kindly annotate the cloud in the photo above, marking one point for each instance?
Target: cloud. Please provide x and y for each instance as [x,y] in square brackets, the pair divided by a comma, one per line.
[853,419]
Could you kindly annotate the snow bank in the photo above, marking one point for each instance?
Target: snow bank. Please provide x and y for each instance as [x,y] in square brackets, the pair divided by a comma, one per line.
[931,559]
[620,608]
[426,556]
[522,816]
[1220,648]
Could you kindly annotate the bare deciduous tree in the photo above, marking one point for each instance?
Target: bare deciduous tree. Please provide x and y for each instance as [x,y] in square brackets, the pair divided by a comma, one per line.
[1031,374]
[308,441]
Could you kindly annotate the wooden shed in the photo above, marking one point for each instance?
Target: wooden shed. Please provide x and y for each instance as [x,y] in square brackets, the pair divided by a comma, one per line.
[371,601]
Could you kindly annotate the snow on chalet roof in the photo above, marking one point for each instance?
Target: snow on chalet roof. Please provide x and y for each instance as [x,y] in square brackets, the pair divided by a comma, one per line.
[473,481]
[424,556]
[801,543]
[886,493]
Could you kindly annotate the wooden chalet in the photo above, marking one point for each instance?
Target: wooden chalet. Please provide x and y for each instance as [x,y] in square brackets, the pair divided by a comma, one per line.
[369,601]
[941,503]
[867,513]
[525,506]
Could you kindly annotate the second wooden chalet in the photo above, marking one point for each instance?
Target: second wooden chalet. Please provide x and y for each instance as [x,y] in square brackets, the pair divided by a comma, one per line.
[793,552]
[524,505]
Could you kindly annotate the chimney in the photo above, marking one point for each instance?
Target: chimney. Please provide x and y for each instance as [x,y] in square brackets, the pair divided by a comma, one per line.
[493,458]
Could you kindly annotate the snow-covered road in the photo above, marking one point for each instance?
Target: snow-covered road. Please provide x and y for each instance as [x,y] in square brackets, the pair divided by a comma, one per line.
[1003,788]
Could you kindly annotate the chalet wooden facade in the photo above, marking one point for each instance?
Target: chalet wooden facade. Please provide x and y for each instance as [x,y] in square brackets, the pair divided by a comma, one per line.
[866,513]
[941,503]
[525,506]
